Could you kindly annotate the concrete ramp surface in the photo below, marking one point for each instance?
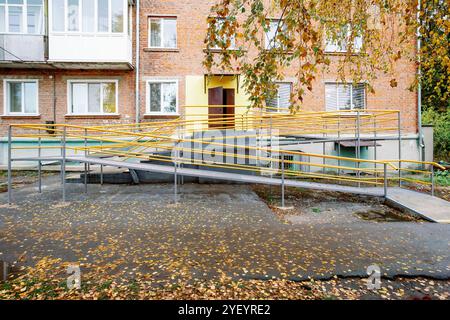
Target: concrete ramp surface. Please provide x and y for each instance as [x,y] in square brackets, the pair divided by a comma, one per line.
[431,208]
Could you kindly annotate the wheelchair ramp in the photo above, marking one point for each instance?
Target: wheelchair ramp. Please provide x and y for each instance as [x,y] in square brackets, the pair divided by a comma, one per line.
[431,208]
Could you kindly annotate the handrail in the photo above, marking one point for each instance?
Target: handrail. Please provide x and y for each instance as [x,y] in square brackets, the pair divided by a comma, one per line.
[434,164]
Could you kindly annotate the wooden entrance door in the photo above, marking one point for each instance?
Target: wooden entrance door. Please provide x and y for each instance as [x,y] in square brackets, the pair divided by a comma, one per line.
[220,98]
[215,98]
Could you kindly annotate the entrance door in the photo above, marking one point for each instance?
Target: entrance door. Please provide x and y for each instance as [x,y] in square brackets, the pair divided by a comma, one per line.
[220,98]
[215,98]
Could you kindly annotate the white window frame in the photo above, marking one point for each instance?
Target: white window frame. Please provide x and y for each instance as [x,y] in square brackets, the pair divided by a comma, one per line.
[101,81]
[80,20]
[6,98]
[267,41]
[147,98]
[149,44]
[339,49]
[279,110]
[24,7]
[352,105]
[232,42]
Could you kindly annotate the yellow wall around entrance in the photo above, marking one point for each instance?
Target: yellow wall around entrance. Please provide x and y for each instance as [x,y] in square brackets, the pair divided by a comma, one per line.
[196,102]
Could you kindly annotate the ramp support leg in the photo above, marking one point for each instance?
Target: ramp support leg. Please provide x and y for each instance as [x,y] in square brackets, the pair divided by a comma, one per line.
[432,180]
[101,166]
[39,163]
[399,151]
[9,167]
[85,164]
[175,178]
[63,165]
[282,180]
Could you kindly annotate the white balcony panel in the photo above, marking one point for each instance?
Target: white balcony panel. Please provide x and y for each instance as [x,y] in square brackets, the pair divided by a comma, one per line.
[90,48]
[22,48]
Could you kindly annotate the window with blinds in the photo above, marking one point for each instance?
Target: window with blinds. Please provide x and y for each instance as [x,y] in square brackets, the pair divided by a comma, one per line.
[282,101]
[345,96]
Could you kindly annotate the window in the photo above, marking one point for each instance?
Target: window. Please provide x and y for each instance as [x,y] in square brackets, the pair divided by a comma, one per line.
[102,15]
[21,97]
[282,101]
[224,39]
[73,15]
[35,17]
[162,97]
[117,16]
[286,162]
[58,19]
[342,45]
[88,16]
[343,96]
[95,97]
[88,7]
[21,16]
[162,33]
[271,34]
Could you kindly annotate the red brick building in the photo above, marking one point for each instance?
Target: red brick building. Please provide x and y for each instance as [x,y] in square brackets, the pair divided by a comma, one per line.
[78,65]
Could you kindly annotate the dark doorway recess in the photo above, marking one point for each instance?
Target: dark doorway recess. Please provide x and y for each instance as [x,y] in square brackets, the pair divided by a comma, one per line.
[222,107]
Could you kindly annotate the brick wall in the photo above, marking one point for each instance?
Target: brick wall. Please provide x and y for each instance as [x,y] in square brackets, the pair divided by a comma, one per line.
[54,84]
[186,60]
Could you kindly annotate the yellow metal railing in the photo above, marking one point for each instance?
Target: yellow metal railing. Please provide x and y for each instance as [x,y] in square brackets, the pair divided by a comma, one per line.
[169,141]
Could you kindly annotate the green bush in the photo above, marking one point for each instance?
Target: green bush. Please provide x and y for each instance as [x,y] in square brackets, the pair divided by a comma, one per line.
[441,122]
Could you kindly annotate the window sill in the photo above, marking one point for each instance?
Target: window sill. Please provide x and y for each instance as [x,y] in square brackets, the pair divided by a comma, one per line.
[161,50]
[92,116]
[220,50]
[160,116]
[340,53]
[278,50]
[19,117]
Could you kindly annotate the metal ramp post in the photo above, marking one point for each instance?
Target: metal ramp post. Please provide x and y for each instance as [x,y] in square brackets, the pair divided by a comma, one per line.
[399,151]
[9,166]
[63,165]
[175,178]
[85,164]
[282,180]
[358,147]
[39,162]
[432,180]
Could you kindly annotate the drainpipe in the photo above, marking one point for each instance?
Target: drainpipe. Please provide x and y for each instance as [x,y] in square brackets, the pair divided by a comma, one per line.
[137,96]
[419,85]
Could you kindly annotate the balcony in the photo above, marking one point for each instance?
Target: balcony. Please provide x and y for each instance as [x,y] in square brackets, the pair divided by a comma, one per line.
[90,34]
[22,50]
[90,51]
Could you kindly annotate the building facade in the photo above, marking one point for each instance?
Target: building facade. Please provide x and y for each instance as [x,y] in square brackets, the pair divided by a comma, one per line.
[122,61]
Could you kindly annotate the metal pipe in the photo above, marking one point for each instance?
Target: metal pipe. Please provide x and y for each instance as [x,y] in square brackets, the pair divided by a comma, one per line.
[282,180]
[9,165]
[101,166]
[85,164]
[138,50]
[339,144]
[175,177]
[399,151]
[63,166]
[432,180]
[39,163]
[323,149]
[375,147]
[385,180]
[419,86]
[358,145]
